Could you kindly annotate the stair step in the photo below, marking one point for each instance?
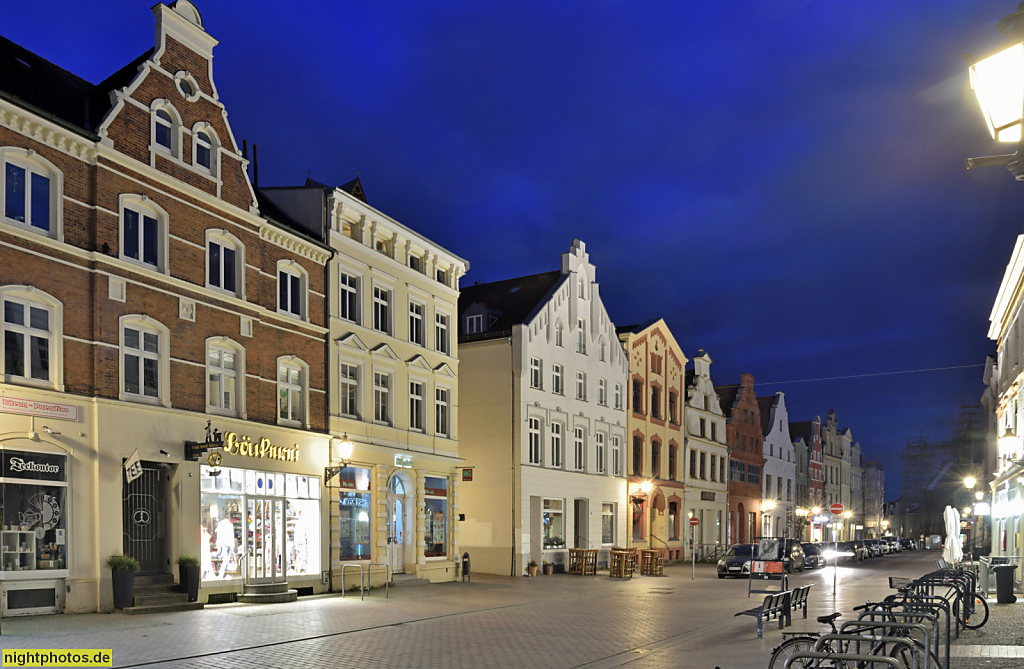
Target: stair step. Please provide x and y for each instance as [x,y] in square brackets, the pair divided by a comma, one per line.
[163,608]
[168,589]
[265,588]
[268,597]
[404,580]
[160,599]
[147,580]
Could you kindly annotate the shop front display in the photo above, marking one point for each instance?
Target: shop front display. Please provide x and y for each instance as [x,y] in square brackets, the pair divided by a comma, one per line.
[354,501]
[258,526]
[436,516]
[34,534]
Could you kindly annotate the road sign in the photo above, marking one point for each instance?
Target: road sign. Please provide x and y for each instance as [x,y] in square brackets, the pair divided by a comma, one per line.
[836,509]
[694,521]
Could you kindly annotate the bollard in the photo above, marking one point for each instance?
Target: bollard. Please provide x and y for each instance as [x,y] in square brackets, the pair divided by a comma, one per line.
[465,568]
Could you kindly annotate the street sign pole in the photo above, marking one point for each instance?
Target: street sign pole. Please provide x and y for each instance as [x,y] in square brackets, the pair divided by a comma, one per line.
[837,512]
[693,548]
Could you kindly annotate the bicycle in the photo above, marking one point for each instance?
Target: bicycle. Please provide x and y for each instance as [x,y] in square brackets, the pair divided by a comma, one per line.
[798,642]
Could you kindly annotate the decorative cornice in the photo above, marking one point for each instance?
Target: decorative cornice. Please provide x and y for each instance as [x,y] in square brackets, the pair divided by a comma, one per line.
[51,134]
[293,243]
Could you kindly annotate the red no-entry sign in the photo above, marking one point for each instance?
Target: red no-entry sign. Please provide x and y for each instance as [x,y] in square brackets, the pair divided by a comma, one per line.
[836,509]
[694,521]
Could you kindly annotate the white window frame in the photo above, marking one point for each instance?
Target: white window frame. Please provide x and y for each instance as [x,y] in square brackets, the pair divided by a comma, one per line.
[616,456]
[417,415]
[293,272]
[298,390]
[30,296]
[145,324]
[602,392]
[383,301]
[558,334]
[579,455]
[536,374]
[442,332]
[618,396]
[144,207]
[556,445]
[581,386]
[174,130]
[417,323]
[581,335]
[349,388]
[226,345]
[534,452]
[383,413]
[212,144]
[605,512]
[599,464]
[557,379]
[474,324]
[33,163]
[226,241]
[348,294]
[442,411]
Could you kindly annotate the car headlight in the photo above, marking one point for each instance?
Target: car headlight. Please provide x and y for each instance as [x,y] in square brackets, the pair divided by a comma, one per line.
[721,563]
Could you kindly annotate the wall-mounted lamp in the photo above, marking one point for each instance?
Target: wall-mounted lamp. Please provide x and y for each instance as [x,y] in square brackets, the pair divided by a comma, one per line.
[52,433]
[645,488]
[342,450]
[164,453]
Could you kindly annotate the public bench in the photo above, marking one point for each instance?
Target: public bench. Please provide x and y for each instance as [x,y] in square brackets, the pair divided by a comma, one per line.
[775,606]
[800,598]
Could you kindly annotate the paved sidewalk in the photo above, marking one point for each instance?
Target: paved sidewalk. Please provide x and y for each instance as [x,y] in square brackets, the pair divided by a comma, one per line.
[555,621]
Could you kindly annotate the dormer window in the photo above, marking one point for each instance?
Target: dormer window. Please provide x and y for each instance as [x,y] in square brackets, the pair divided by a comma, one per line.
[474,324]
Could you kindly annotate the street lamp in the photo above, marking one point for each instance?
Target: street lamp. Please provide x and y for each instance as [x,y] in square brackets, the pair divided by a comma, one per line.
[343,452]
[998,83]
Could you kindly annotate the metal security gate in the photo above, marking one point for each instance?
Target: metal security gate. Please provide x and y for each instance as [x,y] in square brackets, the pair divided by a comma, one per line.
[144,519]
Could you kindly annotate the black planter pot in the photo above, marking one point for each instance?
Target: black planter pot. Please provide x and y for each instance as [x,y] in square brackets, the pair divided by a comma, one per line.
[188,579]
[124,587]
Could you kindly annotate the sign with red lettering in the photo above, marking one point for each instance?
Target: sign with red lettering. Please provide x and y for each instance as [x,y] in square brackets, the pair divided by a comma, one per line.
[765,567]
[40,409]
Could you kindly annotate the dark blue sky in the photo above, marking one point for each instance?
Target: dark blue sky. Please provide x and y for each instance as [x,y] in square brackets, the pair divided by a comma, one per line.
[782,181]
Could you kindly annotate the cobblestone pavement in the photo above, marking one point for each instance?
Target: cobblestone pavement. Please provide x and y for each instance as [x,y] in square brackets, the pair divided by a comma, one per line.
[549,621]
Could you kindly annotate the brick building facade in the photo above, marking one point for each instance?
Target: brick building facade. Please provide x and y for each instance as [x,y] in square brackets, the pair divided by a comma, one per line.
[746,459]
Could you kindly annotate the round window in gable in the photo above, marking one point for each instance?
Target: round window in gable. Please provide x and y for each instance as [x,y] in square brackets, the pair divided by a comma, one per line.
[187,85]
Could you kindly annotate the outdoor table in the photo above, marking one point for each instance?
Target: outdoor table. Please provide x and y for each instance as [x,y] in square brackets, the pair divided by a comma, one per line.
[652,562]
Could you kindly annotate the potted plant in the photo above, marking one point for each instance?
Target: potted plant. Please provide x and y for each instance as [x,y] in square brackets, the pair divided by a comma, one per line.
[188,576]
[122,576]
[549,567]
[532,568]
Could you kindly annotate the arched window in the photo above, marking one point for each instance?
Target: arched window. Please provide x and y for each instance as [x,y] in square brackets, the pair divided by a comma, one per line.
[225,262]
[32,344]
[225,376]
[558,333]
[143,232]
[32,194]
[165,128]
[145,360]
[204,147]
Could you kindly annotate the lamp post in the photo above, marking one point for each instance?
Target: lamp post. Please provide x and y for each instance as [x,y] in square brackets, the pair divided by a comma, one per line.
[998,83]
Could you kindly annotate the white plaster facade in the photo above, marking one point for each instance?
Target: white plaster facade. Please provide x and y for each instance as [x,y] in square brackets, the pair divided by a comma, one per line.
[546,446]
[778,482]
[707,496]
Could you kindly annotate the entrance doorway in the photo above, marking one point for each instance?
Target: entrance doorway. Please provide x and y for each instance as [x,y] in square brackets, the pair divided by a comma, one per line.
[265,540]
[581,523]
[144,519]
[400,527]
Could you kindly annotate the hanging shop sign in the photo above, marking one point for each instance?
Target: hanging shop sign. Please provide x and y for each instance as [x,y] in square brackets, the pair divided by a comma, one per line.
[235,444]
[706,496]
[40,409]
[35,466]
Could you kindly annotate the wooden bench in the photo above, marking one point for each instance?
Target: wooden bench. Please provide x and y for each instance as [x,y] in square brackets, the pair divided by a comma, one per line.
[799,600]
[775,606]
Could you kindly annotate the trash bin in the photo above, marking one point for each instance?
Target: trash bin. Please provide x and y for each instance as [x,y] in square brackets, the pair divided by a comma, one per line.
[466,573]
[1004,583]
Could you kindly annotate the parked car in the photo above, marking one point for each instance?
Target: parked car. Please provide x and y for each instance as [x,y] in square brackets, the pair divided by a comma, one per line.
[736,561]
[860,548]
[894,544]
[793,556]
[908,544]
[814,556]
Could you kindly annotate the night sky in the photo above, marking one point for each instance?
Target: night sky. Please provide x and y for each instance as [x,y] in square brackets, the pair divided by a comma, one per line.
[782,181]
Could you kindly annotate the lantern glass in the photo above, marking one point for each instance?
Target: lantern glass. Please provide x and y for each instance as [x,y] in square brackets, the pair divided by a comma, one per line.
[998,82]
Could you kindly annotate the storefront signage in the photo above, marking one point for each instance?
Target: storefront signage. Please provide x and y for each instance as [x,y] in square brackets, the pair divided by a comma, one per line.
[41,409]
[467,474]
[403,461]
[36,466]
[706,496]
[243,445]
[435,492]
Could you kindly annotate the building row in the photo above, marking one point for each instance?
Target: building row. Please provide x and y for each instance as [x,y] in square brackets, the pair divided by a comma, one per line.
[285,380]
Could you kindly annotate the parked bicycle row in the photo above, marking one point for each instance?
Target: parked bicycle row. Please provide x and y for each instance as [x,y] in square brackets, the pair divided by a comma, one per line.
[910,629]
[799,556]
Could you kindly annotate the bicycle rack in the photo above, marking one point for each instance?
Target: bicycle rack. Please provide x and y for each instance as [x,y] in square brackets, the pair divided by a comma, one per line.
[884,644]
[861,626]
[362,580]
[866,661]
[918,615]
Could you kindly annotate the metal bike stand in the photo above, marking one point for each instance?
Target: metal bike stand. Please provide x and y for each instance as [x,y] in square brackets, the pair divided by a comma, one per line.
[352,565]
